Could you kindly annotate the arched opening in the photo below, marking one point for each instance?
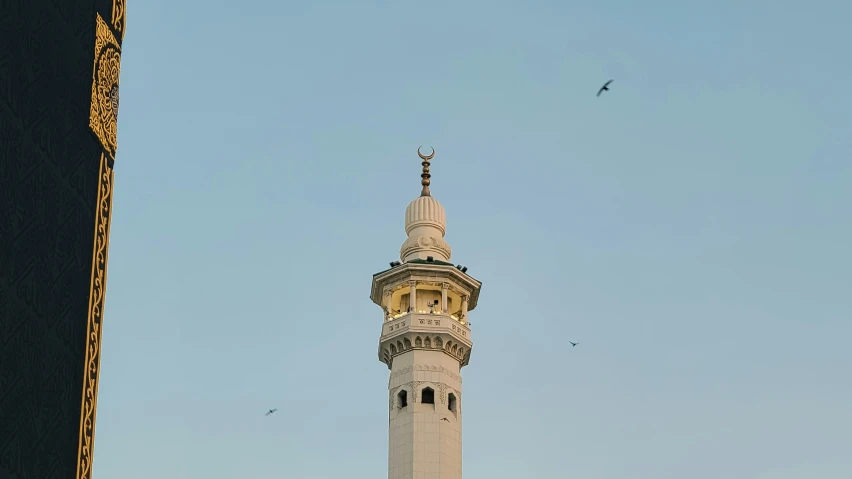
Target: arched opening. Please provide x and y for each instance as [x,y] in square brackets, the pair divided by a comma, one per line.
[402,399]
[407,343]
[451,402]
[399,346]
[418,342]
[428,396]
[455,349]
[438,342]
[393,349]
[428,342]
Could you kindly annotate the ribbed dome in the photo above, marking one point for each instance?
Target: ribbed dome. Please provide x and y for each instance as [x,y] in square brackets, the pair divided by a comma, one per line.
[425,211]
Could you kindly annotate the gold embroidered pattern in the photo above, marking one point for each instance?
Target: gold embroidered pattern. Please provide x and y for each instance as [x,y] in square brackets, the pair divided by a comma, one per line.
[118,17]
[103,115]
[94,331]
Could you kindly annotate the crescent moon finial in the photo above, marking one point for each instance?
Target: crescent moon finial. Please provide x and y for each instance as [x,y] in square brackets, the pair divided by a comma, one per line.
[425,175]
[425,158]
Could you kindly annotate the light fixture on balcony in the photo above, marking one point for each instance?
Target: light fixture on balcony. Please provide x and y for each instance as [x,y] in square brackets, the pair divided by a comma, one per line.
[432,305]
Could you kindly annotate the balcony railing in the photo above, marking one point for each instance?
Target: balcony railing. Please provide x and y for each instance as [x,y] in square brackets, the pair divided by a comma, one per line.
[435,313]
[427,319]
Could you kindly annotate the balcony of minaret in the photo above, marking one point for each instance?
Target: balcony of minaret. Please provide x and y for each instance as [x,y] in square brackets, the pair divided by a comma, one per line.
[429,325]
[425,308]
[425,332]
[424,297]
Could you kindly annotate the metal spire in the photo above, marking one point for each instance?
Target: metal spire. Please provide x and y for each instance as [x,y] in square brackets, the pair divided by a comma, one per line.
[425,175]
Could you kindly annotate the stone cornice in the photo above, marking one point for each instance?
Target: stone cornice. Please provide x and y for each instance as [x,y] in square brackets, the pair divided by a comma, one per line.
[438,341]
[426,273]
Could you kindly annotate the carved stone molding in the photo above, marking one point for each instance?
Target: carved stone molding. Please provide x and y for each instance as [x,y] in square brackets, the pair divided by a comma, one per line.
[415,386]
[425,367]
[425,243]
[402,371]
[441,389]
[434,341]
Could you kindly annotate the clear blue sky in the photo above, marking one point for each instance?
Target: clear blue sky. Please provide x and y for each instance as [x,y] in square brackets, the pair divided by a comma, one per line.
[691,229]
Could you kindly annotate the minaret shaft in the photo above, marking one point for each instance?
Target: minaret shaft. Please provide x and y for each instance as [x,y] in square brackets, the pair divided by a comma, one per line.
[425,434]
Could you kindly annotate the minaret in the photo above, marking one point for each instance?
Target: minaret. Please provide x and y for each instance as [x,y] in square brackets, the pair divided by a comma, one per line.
[425,342]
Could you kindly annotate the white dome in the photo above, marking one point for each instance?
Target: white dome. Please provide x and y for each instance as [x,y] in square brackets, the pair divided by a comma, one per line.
[425,211]
[425,225]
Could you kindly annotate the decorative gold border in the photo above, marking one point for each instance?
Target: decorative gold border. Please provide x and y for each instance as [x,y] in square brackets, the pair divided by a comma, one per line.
[103,113]
[100,254]
[103,119]
[119,17]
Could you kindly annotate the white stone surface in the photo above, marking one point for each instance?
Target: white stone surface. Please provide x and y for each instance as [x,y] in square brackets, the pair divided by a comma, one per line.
[421,444]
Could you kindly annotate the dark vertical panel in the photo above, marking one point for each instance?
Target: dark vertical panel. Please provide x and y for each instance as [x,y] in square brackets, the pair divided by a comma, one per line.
[55,178]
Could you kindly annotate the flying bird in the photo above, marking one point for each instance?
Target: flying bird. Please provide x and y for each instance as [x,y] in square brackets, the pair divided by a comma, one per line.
[445,419]
[604,88]
[573,345]
[270,412]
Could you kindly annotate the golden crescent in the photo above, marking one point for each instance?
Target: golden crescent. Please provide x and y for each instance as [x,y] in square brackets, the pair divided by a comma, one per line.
[426,158]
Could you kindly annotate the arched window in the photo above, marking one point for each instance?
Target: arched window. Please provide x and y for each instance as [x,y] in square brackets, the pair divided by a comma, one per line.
[418,342]
[402,399]
[393,349]
[407,343]
[451,402]
[428,396]
[428,342]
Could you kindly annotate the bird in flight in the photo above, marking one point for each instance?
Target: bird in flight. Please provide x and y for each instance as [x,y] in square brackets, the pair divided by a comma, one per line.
[604,88]
[270,412]
[445,419]
[573,345]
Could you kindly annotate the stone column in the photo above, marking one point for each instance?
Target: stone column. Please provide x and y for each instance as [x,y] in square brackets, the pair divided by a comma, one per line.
[444,288]
[388,308]
[464,309]
[412,297]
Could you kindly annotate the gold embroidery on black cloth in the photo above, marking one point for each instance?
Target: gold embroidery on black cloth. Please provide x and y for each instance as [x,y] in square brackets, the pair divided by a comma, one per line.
[94,322]
[118,17]
[103,116]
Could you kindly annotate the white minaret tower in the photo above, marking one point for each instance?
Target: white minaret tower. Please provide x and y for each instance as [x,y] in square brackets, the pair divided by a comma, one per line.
[425,342]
